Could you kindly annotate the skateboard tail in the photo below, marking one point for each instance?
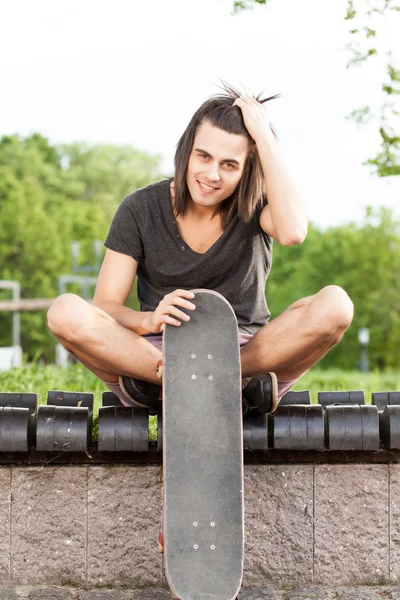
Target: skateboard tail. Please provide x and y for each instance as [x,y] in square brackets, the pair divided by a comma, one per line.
[205,596]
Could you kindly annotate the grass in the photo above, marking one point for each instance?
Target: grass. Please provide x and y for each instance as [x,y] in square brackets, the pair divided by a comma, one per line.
[40,379]
[331,380]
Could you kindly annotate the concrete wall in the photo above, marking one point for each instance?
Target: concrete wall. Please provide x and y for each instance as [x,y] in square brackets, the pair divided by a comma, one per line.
[98,525]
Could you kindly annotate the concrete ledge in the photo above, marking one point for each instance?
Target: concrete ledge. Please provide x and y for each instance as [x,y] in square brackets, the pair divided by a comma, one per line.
[97,526]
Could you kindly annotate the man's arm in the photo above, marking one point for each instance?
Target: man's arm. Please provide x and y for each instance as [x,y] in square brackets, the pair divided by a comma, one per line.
[285,216]
[114,283]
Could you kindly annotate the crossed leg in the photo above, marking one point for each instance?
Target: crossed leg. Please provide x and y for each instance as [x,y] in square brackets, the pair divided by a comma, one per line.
[99,342]
[292,343]
[288,345]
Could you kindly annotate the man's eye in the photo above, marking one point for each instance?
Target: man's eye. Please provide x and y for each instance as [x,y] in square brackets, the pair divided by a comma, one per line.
[203,155]
[229,165]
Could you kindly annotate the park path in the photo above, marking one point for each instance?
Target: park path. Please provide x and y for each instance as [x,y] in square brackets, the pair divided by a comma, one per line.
[251,593]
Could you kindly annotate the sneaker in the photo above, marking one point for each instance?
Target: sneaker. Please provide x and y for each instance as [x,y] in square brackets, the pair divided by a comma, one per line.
[142,394]
[261,394]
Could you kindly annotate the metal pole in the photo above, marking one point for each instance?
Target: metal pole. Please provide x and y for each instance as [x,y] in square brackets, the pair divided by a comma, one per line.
[75,251]
[364,358]
[17,316]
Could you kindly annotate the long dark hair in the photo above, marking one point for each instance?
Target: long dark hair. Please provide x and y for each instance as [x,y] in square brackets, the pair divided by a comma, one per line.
[218,110]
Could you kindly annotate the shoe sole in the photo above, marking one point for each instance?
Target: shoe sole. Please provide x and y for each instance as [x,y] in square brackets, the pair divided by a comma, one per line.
[274,393]
[127,394]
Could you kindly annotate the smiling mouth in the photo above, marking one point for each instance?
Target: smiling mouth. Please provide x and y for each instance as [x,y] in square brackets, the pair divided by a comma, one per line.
[206,188]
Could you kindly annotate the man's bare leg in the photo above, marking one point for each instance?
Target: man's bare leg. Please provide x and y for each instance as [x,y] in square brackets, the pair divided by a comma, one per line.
[100,343]
[287,346]
[300,336]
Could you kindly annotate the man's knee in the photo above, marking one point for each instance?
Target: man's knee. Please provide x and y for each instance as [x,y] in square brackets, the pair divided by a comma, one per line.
[66,316]
[334,311]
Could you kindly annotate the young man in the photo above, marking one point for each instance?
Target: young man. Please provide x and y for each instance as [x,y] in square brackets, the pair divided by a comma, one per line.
[211,226]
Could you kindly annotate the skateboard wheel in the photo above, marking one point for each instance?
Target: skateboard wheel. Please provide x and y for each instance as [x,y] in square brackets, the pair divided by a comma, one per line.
[298,427]
[123,429]
[353,397]
[29,401]
[255,431]
[110,399]
[389,425]
[14,429]
[352,427]
[73,399]
[301,397]
[159,434]
[60,398]
[62,429]
[383,399]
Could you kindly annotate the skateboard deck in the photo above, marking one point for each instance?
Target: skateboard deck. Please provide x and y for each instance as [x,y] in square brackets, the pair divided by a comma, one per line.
[203,452]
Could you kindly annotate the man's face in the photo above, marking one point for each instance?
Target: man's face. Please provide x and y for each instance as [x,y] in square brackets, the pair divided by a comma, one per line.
[215,165]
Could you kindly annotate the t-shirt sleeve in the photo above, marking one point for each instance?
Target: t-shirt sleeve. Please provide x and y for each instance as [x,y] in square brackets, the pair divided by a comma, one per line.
[268,239]
[124,234]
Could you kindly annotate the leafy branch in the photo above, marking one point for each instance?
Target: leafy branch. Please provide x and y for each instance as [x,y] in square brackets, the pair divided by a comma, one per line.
[368,20]
[239,5]
[387,160]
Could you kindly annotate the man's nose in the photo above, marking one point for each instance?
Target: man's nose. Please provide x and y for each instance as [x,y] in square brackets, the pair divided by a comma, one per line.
[213,173]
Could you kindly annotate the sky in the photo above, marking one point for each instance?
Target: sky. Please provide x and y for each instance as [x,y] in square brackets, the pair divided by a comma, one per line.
[134,71]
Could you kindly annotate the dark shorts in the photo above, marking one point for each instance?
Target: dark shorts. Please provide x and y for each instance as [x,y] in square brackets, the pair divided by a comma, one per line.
[284,385]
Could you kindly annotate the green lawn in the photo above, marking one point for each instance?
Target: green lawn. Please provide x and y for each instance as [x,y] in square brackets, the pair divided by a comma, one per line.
[40,379]
[332,380]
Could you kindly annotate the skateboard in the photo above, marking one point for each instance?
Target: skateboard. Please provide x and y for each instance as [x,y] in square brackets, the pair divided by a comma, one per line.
[203,452]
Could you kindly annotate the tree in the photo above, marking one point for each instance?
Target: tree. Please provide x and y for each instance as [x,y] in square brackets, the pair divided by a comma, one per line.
[50,196]
[364,259]
[370,20]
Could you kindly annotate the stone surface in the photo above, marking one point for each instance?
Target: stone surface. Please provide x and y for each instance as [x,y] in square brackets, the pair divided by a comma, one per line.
[5,515]
[395,523]
[124,519]
[255,593]
[8,594]
[49,525]
[360,593]
[55,542]
[50,594]
[100,595]
[351,524]
[278,525]
[249,593]
[311,593]
[153,594]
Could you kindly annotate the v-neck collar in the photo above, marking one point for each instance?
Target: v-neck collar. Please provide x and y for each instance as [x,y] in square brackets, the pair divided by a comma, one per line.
[183,244]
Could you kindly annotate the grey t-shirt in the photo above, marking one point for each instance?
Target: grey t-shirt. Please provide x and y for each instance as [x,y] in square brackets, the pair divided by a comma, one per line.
[237,264]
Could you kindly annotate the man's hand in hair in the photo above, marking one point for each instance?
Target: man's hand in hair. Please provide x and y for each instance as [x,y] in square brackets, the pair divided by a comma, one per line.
[255,117]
